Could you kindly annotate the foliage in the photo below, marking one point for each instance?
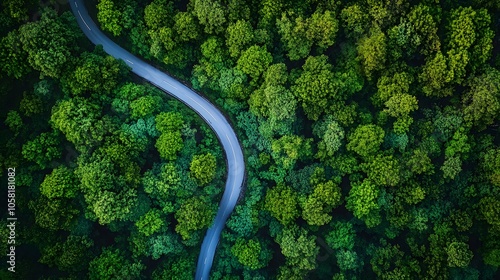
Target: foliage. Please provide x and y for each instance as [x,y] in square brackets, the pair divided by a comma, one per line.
[169,144]
[43,149]
[459,254]
[319,204]
[282,203]
[369,131]
[298,247]
[248,253]
[254,60]
[49,42]
[342,236]
[193,215]
[203,168]
[150,223]
[366,140]
[362,202]
[61,183]
[111,264]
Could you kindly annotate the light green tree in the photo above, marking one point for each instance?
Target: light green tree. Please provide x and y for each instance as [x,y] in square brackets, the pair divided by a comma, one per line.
[366,140]
[150,223]
[282,203]
[362,202]
[203,168]
[61,183]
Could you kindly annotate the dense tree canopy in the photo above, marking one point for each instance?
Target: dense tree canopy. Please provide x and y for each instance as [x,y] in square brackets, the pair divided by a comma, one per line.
[369,128]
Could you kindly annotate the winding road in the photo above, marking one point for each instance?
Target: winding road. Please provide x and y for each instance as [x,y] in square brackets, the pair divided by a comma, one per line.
[214,118]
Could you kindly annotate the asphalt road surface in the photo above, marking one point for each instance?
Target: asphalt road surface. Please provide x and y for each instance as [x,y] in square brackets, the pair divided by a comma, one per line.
[214,118]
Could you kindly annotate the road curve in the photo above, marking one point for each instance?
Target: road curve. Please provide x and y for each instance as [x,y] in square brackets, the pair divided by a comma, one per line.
[213,117]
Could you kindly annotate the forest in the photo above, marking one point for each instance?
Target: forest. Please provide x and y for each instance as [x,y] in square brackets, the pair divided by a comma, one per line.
[370,131]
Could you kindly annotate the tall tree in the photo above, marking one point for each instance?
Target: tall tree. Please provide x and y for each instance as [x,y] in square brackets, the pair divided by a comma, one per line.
[282,202]
[362,201]
[482,101]
[298,247]
[50,42]
[193,215]
[372,51]
[203,168]
[239,36]
[366,139]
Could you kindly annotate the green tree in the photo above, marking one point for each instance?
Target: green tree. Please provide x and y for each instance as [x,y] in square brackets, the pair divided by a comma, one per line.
[436,76]
[194,214]
[293,36]
[482,101]
[400,106]
[169,144]
[372,51]
[211,14]
[362,202]
[254,61]
[13,60]
[165,245]
[145,106]
[322,28]
[239,36]
[342,236]
[331,134]
[169,121]
[355,20]
[289,148]
[491,166]
[61,183]
[18,10]
[80,121]
[53,214]
[109,206]
[150,223]
[315,86]
[458,145]
[112,264]
[424,28]
[299,35]
[96,73]
[366,140]
[247,253]
[43,149]
[30,105]
[158,14]
[389,86]
[110,195]
[276,74]
[298,247]
[282,202]
[73,255]
[182,269]
[490,209]
[347,260]
[50,42]
[281,103]
[459,254]
[420,163]
[186,27]
[109,17]
[470,40]
[382,170]
[203,168]
[319,204]
[451,167]
[14,121]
